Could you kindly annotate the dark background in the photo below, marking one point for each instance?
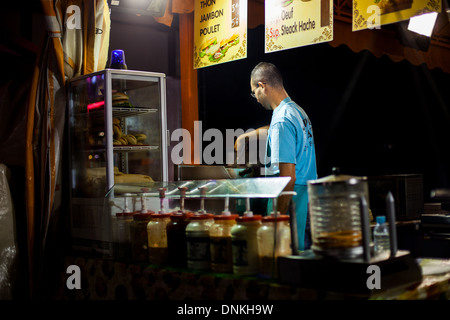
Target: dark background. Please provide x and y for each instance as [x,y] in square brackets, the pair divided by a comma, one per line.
[370,116]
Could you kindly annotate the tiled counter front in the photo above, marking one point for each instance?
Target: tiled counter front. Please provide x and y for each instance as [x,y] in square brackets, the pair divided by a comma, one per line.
[114,280]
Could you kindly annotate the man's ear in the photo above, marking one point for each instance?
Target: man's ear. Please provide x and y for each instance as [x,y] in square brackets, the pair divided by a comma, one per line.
[262,84]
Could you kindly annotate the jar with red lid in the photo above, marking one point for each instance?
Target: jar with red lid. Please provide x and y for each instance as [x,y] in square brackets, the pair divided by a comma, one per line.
[139,238]
[197,241]
[121,237]
[245,245]
[274,240]
[176,233]
[176,238]
[157,238]
[220,242]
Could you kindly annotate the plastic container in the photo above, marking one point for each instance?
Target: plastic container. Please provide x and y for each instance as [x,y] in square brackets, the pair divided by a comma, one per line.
[121,236]
[244,244]
[381,238]
[176,238]
[139,238]
[220,242]
[120,230]
[176,233]
[197,242]
[158,250]
[274,240]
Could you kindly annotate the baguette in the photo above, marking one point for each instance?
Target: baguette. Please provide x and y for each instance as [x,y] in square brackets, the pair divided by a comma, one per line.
[131,178]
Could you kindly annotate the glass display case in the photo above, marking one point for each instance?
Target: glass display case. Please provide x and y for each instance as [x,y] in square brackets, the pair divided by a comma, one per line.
[117,134]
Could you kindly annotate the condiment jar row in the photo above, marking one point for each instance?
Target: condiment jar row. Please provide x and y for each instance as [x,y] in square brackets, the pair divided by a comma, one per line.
[229,243]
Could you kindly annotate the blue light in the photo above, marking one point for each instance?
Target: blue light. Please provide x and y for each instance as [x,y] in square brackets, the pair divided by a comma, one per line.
[118,59]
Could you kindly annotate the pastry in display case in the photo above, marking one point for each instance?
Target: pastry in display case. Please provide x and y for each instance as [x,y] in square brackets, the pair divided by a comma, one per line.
[117,135]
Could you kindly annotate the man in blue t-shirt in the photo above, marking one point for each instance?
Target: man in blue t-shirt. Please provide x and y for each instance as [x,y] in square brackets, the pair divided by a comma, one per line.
[290,144]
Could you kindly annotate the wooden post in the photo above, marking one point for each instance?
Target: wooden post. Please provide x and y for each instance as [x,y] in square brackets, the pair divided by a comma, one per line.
[188,75]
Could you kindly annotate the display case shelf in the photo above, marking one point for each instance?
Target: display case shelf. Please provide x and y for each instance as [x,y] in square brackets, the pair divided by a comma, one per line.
[128,148]
[131,112]
[117,112]
[134,148]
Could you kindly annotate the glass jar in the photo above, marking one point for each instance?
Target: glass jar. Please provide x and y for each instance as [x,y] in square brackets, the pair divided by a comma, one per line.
[197,241]
[335,213]
[274,240]
[245,245]
[176,238]
[121,237]
[139,238]
[220,243]
[157,238]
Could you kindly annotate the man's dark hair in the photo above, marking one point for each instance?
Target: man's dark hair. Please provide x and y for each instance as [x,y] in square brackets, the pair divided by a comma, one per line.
[268,73]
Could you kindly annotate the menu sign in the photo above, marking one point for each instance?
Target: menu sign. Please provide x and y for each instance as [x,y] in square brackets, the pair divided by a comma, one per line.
[371,14]
[220,31]
[296,23]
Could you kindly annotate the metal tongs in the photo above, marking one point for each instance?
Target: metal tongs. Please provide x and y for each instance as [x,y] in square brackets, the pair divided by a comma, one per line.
[390,212]
[390,208]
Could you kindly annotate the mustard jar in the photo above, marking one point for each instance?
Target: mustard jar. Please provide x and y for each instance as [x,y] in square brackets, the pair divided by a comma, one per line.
[244,243]
[220,241]
[274,240]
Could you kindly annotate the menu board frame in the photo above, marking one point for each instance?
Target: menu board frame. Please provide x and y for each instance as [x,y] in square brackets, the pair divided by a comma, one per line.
[220,31]
[295,23]
[372,14]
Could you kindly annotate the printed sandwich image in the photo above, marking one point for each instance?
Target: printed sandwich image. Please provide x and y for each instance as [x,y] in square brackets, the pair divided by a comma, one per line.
[388,6]
[215,51]
[206,46]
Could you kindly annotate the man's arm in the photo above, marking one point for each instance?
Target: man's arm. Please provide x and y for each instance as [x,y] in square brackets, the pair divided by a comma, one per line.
[239,145]
[286,170]
[240,141]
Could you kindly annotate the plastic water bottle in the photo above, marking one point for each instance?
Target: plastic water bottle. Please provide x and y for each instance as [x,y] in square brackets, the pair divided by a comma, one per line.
[381,238]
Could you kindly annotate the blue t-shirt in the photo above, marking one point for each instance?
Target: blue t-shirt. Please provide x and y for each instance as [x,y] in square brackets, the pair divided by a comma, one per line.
[290,140]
